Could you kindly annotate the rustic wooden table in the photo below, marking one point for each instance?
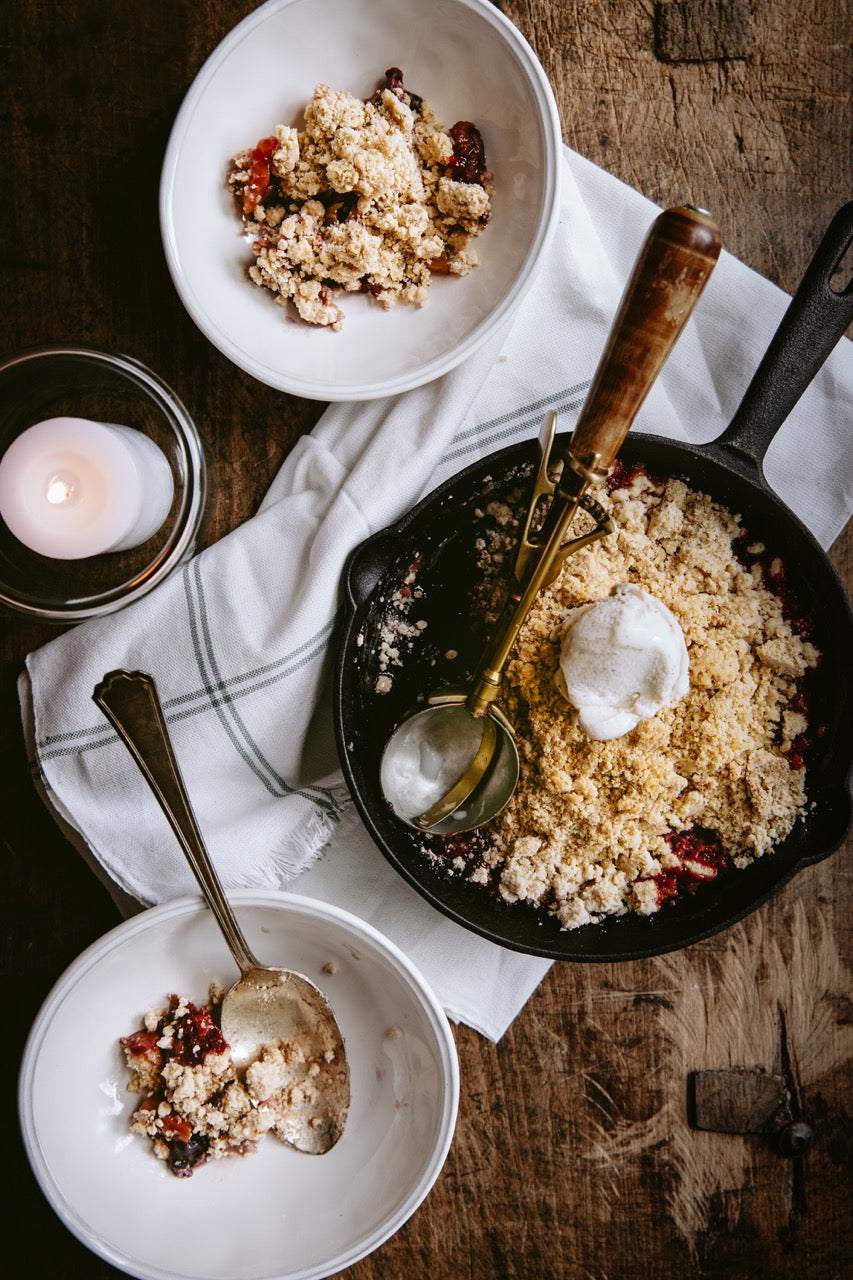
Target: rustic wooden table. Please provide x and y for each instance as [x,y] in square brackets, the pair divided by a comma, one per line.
[573,1155]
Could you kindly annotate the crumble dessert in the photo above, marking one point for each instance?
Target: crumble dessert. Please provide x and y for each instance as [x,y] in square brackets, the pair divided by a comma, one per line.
[371,196]
[600,828]
[196,1107]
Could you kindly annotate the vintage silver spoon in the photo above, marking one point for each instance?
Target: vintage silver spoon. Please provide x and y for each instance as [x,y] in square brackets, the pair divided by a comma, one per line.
[446,768]
[266,1004]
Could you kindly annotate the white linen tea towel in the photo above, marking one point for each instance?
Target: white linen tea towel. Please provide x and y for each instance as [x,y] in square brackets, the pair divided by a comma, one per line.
[239,640]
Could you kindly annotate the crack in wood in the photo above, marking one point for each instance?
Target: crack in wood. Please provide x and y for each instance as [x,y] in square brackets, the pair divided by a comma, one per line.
[798,1202]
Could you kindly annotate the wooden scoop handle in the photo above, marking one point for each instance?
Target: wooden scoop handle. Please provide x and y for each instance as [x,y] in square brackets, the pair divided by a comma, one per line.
[670,273]
[674,264]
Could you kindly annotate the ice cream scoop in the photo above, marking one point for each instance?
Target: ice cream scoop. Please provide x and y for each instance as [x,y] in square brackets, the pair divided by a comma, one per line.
[623,660]
[674,265]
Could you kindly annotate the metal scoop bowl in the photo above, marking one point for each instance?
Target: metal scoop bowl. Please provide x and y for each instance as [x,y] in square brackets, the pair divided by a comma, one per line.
[469,762]
[266,1005]
[454,765]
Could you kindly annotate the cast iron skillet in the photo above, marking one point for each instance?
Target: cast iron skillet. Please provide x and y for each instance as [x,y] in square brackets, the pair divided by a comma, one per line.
[435,543]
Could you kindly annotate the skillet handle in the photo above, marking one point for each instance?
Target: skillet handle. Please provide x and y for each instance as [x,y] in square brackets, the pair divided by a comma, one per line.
[813,324]
[671,271]
[365,566]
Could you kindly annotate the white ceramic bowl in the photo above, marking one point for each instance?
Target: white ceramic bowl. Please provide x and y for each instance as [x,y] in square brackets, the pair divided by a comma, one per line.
[471,63]
[277,1214]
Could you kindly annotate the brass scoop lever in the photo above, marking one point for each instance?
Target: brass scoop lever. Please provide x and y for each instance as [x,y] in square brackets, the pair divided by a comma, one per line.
[528,551]
[545,482]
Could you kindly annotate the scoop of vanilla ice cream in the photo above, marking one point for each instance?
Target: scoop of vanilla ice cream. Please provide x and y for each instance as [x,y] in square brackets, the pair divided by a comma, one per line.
[623,659]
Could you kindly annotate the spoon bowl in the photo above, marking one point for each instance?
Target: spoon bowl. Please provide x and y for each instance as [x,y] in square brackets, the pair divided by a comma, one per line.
[266,1005]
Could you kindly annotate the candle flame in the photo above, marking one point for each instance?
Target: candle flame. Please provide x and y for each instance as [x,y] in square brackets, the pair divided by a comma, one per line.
[59,489]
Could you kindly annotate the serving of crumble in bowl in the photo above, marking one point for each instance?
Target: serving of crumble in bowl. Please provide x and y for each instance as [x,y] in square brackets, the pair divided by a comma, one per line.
[357,194]
[264,1211]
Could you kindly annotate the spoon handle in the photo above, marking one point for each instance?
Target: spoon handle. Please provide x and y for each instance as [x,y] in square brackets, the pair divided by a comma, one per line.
[670,273]
[129,701]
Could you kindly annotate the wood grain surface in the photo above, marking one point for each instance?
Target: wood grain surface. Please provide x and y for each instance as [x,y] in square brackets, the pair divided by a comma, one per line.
[574,1155]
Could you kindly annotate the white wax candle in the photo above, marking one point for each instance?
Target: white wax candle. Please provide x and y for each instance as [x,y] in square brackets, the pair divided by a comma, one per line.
[71,488]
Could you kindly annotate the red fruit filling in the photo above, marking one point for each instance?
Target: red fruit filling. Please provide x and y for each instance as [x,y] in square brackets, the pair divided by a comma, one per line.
[394,82]
[621,475]
[468,162]
[195,1035]
[700,859]
[143,1044]
[258,183]
[184,1156]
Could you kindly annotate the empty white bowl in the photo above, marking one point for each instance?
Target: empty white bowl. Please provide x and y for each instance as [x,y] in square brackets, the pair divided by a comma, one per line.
[471,63]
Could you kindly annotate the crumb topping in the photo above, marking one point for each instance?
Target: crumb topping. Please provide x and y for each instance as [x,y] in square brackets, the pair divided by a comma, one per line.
[369,196]
[601,828]
[195,1106]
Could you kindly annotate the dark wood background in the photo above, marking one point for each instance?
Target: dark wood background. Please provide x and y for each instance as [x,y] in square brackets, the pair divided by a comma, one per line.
[573,1155]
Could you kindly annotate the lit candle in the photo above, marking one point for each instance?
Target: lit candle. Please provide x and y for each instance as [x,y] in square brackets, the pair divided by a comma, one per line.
[71,488]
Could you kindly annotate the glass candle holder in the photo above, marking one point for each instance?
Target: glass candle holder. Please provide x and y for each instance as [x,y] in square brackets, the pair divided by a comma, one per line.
[102,388]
